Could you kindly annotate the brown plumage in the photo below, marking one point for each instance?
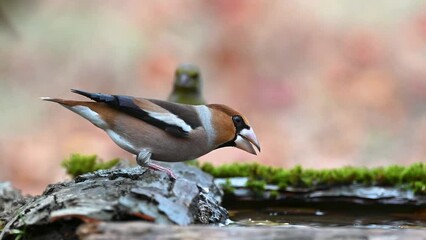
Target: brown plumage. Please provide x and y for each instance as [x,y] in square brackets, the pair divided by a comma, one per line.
[161,130]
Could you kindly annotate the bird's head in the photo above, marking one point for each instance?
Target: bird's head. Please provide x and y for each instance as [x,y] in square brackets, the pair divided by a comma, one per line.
[233,129]
[187,78]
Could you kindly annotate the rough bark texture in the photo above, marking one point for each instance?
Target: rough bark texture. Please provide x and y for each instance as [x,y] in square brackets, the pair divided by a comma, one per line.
[10,198]
[124,194]
[138,230]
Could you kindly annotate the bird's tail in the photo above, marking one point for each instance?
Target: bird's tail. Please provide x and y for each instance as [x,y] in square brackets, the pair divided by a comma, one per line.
[66,103]
[87,110]
[56,100]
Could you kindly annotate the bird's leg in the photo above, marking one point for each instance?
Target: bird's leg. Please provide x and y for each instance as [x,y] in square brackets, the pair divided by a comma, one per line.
[143,157]
[144,160]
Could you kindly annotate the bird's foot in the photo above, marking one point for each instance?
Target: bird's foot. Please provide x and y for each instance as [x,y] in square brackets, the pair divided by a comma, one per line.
[144,160]
[162,169]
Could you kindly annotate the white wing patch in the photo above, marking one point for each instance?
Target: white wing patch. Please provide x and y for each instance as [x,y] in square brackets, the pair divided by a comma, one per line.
[171,119]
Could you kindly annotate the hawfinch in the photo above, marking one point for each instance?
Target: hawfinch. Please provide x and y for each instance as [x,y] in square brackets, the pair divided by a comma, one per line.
[161,130]
[187,86]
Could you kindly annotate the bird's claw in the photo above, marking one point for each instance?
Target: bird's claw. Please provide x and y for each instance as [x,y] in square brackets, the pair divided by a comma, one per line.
[162,169]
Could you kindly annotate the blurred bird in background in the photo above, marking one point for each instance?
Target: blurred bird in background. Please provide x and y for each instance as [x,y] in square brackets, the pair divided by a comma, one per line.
[187,87]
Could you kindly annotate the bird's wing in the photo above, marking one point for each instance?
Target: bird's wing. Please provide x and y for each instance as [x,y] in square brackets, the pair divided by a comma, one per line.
[146,110]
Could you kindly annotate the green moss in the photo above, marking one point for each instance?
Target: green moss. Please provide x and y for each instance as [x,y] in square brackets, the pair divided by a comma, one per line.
[283,185]
[18,233]
[79,164]
[227,187]
[208,167]
[257,186]
[194,163]
[274,194]
[412,177]
[418,187]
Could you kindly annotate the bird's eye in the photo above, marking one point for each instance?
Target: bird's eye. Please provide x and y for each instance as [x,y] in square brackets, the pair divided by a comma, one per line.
[239,123]
[237,120]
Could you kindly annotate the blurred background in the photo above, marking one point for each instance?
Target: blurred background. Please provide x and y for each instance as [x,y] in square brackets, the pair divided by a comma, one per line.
[325,84]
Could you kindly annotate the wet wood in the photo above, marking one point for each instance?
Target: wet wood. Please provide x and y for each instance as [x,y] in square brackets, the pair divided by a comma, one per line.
[355,194]
[139,230]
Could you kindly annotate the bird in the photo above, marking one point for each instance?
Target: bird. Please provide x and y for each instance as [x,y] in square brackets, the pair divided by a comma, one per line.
[187,88]
[187,85]
[161,130]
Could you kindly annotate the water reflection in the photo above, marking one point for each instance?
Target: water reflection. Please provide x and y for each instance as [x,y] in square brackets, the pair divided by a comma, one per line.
[300,217]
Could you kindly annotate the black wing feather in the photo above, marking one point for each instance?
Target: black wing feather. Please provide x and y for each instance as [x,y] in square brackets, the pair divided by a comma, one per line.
[126,105]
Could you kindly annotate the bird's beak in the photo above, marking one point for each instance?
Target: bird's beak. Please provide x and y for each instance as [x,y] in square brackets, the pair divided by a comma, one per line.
[184,80]
[245,139]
